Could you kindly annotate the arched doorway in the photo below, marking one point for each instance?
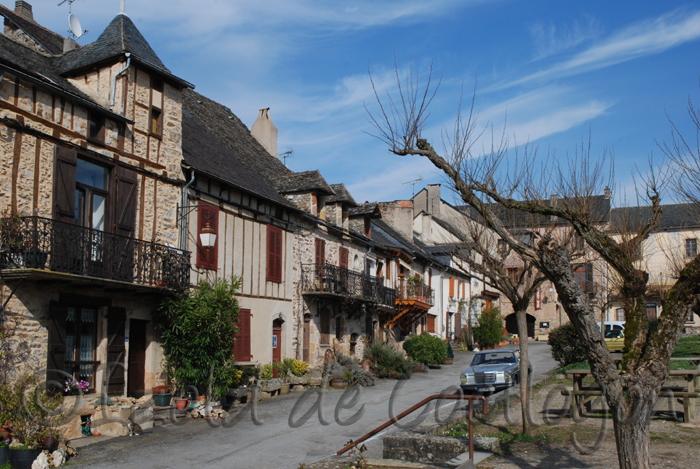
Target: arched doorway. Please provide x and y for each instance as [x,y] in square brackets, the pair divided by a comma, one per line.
[277,340]
[512,324]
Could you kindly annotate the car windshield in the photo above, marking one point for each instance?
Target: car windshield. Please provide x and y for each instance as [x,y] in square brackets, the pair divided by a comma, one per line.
[493,358]
[613,334]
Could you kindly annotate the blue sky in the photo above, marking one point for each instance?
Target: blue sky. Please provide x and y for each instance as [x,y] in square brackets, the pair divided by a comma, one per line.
[558,69]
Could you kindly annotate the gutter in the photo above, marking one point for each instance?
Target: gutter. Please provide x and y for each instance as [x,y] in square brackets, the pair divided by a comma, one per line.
[184,226]
[114,83]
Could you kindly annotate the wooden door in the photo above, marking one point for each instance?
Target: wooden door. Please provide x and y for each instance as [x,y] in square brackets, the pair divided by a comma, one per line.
[241,350]
[137,358]
[277,340]
[458,326]
[307,336]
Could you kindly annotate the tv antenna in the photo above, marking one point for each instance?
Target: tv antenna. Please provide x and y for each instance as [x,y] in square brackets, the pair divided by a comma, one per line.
[413,184]
[287,154]
[75,31]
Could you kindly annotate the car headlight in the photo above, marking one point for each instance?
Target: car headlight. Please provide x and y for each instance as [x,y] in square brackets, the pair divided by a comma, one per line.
[463,378]
[507,376]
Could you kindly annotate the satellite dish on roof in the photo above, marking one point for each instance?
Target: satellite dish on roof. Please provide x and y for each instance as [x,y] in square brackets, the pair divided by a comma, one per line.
[74,26]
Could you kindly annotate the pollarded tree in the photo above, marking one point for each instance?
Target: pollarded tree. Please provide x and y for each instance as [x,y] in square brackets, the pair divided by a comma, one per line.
[489,179]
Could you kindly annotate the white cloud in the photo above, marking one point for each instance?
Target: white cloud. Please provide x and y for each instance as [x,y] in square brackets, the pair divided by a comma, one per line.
[644,38]
[389,184]
[551,40]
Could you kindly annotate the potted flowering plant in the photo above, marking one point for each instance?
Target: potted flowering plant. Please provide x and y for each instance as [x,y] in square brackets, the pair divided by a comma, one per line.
[76,387]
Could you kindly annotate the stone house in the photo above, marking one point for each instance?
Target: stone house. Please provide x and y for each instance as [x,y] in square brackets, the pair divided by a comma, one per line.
[668,248]
[90,170]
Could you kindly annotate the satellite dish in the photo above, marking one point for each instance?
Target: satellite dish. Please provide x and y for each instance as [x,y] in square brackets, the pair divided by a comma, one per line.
[74,25]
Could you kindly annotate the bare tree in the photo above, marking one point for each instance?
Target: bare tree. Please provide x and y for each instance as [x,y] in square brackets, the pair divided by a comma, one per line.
[489,179]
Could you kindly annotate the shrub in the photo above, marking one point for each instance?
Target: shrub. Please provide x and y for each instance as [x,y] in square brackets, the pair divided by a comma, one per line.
[360,377]
[450,352]
[197,331]
[266,372]
[299,367]
[489,329]
[566,346]
[388,362]
[426,349]
[248,375]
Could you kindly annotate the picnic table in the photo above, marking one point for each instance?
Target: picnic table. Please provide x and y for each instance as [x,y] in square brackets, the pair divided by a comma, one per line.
[583,395]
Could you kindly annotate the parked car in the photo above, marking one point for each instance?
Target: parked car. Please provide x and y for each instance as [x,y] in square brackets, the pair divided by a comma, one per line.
[615,340]
[613,326]
[492,370]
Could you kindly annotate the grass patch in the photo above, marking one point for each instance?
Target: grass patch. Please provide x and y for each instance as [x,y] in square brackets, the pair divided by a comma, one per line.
[687,347]
[682,365]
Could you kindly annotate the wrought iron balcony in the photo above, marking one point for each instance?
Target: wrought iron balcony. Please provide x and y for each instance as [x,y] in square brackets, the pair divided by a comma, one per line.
[331,280]
[411,290]
[44,244]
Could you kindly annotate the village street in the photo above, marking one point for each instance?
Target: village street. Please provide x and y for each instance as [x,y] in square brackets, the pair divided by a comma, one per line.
[274,444]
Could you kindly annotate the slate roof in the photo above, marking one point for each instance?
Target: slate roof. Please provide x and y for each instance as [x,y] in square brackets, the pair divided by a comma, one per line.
[206,154]
[673,217]
[341,195]
[120,36]
[40,69]
[301,182]
[233,134]
[49,40]
[363,209]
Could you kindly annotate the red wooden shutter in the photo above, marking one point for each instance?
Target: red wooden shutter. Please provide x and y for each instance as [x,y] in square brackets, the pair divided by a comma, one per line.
[274,254]
[125,202]
[56,362]
[242,337]
[320,253]
[64,184]
[116,350]
[207,258]
[343,258]
[452,287]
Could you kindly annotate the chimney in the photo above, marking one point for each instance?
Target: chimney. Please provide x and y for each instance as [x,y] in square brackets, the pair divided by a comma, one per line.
[265,131]
[607,192]
[24,10]
[399,214]
[553,200]
[68,45]
[434,199]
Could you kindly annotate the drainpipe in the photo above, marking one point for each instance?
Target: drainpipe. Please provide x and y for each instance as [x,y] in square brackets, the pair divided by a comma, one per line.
[184,222]
[114,83]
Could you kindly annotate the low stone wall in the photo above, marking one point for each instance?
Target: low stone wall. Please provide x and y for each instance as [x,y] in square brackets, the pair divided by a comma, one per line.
[419,447]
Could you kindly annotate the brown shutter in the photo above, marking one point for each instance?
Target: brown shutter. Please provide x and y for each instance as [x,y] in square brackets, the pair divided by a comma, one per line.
[125,199]
[242,337]
[320,253]
[207,258]
[452,287]
[274,254]
[325,327]
[64,184]
[343,258]
[56,362]
[116,350]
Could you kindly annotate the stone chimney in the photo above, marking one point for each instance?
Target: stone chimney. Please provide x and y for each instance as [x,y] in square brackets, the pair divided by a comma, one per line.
[69,45]
[607,192]
[265,131]
[553,200]
[399,214]
[434,199]
[24,10]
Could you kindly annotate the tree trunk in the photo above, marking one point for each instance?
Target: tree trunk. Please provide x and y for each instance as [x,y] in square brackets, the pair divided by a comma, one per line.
[632,434]
[524,376]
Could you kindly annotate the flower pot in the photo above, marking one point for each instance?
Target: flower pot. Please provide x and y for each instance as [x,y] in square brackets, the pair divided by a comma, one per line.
[158,389]
[50,443]
[284,389]
[4,455]
[202,399]
[447,361]
[23,458]
[181,404]
[418,368]
[339,384]
[162,400]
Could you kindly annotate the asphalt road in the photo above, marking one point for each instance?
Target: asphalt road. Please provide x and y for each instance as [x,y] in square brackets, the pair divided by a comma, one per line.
[281,438]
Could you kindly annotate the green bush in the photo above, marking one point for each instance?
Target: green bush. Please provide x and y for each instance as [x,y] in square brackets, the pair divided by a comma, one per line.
[426,349]
[196,332]
[387,362]
[566,346]
[687,347]
[489,328]
[266,372]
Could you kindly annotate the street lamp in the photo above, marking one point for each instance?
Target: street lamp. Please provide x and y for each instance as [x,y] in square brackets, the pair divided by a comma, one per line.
[208,235]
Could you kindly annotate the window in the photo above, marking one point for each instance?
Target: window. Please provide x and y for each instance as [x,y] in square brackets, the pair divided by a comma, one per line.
[690,317]
[81,334]
[431,323]
[583,275]
[538,299]
[651,311]
[620,314]
[241,340]
[339,333]
[96,127]
[691,248]
[343,256]
[91,189]
[274,254]
[155,121]
[353,342]
[325,326]
[207,217]
[502,246]
[513,274]
[320,253]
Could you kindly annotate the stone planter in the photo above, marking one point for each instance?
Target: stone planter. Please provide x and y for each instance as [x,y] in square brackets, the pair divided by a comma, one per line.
[270,385]
[339,384]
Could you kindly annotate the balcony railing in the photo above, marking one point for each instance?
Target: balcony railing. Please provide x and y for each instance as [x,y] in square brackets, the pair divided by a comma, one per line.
[41,243]
[410,290]
[331,279]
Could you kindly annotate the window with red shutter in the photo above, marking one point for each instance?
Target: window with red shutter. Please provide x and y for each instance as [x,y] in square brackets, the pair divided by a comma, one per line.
[274,254]
[242,337]
[343,258]
[320,253]
[207,258]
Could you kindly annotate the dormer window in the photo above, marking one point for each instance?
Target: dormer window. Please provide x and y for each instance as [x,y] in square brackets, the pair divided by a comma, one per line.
[96,127]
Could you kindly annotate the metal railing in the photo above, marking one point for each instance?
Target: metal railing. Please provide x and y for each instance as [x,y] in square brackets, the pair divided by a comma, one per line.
[329,278]
[412,290]
[41,243]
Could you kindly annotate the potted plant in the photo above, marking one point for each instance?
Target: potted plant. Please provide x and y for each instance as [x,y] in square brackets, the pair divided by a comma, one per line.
[450,355]
[340,378]
[284,371]
[418,367]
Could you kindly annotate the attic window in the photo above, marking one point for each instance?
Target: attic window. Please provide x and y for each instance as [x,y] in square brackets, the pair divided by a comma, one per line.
[155,122]
[96,128]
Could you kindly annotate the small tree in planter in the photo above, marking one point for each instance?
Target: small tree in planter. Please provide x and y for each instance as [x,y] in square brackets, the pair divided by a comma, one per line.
[426,349]
[489,329]
[197,331]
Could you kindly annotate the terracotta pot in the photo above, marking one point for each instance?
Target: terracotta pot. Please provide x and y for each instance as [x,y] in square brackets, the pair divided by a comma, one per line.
[448,361]
[159,389]
[418,368]
[181,404]
[339,384]
[202,399]
[50,443]
[6,432]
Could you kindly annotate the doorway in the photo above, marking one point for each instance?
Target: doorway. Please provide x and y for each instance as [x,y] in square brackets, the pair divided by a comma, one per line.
[307,336]
[137,358]
[277,340]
